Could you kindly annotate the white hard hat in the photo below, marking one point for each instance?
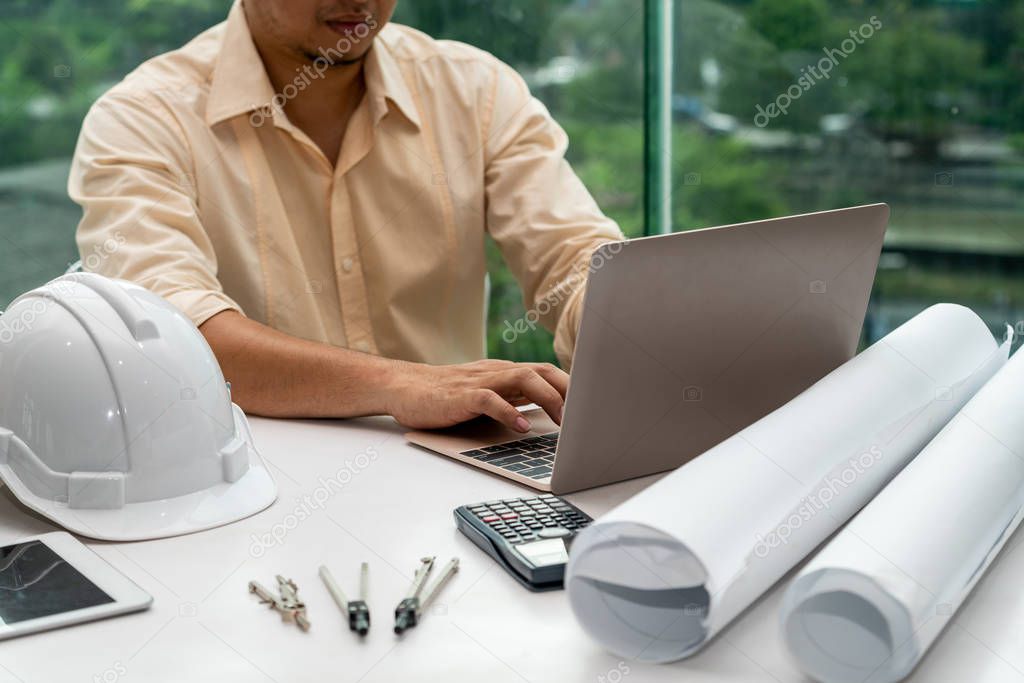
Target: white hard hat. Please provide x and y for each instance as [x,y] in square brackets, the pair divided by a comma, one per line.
[115,421]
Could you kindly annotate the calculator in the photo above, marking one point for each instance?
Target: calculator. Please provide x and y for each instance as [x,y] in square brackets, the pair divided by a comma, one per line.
[528,537]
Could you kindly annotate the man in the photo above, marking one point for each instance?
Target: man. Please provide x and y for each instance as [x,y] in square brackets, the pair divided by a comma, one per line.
[312,187]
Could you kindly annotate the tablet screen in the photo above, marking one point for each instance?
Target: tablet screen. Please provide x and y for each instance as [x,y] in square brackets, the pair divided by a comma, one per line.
[37,582]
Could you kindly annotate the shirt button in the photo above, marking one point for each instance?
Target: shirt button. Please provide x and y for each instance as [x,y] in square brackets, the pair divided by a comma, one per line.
[363,346]
[346,265]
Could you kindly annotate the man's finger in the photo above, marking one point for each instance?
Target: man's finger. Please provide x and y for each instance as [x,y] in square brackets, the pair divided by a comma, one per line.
[487,402]
[535,388]
[555,376]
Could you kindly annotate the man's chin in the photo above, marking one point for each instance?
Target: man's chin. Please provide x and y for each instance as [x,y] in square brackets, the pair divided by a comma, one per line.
[331,62]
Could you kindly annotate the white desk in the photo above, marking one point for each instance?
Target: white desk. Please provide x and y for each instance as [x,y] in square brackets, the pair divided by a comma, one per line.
[205,626]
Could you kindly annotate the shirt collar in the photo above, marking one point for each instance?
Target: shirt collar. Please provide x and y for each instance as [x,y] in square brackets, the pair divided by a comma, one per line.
[240,84]
[385,82]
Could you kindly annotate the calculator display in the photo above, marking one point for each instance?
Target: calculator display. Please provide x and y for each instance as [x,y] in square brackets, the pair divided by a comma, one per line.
[543,553]
[37,582]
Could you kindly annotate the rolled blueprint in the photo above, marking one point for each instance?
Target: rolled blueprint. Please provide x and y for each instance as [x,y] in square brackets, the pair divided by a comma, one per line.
[659,575]
[868,607]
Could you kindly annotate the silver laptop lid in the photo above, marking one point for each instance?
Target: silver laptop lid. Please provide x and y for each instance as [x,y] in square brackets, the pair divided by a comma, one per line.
[687,338]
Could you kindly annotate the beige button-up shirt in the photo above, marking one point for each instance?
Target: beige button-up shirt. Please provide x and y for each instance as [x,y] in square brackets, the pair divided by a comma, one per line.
[192,186]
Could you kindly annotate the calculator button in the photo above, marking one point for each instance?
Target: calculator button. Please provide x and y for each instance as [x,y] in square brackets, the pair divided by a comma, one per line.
[509,515]
[554,532]
[490,518]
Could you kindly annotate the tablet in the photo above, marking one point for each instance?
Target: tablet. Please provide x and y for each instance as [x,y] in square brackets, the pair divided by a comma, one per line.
[52,580]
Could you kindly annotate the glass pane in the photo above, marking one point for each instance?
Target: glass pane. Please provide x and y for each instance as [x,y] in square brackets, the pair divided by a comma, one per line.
[584,60]
[789,106]
[58,57]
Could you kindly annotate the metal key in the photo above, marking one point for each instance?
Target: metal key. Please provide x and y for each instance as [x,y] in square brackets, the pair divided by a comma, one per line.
[408,609]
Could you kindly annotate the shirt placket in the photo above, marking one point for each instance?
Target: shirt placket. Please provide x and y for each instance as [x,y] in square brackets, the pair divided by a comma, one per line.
[355,309]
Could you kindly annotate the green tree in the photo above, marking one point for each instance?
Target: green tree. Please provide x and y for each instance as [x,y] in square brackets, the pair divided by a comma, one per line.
[913,77]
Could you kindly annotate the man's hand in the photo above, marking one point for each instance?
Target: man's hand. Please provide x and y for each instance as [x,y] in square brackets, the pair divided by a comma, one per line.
[428,396]
[277,375]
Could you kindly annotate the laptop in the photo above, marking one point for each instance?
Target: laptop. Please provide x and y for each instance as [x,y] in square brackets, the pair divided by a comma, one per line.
[684,340]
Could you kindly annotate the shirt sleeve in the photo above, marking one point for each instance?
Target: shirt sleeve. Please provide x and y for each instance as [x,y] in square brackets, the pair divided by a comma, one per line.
[544,220]
[132,175]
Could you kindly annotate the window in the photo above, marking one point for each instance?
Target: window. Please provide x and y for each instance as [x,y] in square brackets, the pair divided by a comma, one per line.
[59,56]
[582,58]
[921,108]
[790,106]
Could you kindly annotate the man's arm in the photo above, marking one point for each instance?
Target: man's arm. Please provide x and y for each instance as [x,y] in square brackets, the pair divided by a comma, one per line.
[128,176]
[538,211]
[277,375]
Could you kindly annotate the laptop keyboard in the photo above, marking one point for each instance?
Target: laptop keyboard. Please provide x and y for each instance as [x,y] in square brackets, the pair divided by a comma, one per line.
[533,457]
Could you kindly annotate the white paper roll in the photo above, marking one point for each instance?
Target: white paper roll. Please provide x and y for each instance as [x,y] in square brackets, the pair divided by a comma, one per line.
[659,575]
[869,606]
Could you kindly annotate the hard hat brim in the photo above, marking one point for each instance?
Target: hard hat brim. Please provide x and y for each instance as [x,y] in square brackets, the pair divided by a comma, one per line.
[222,504]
